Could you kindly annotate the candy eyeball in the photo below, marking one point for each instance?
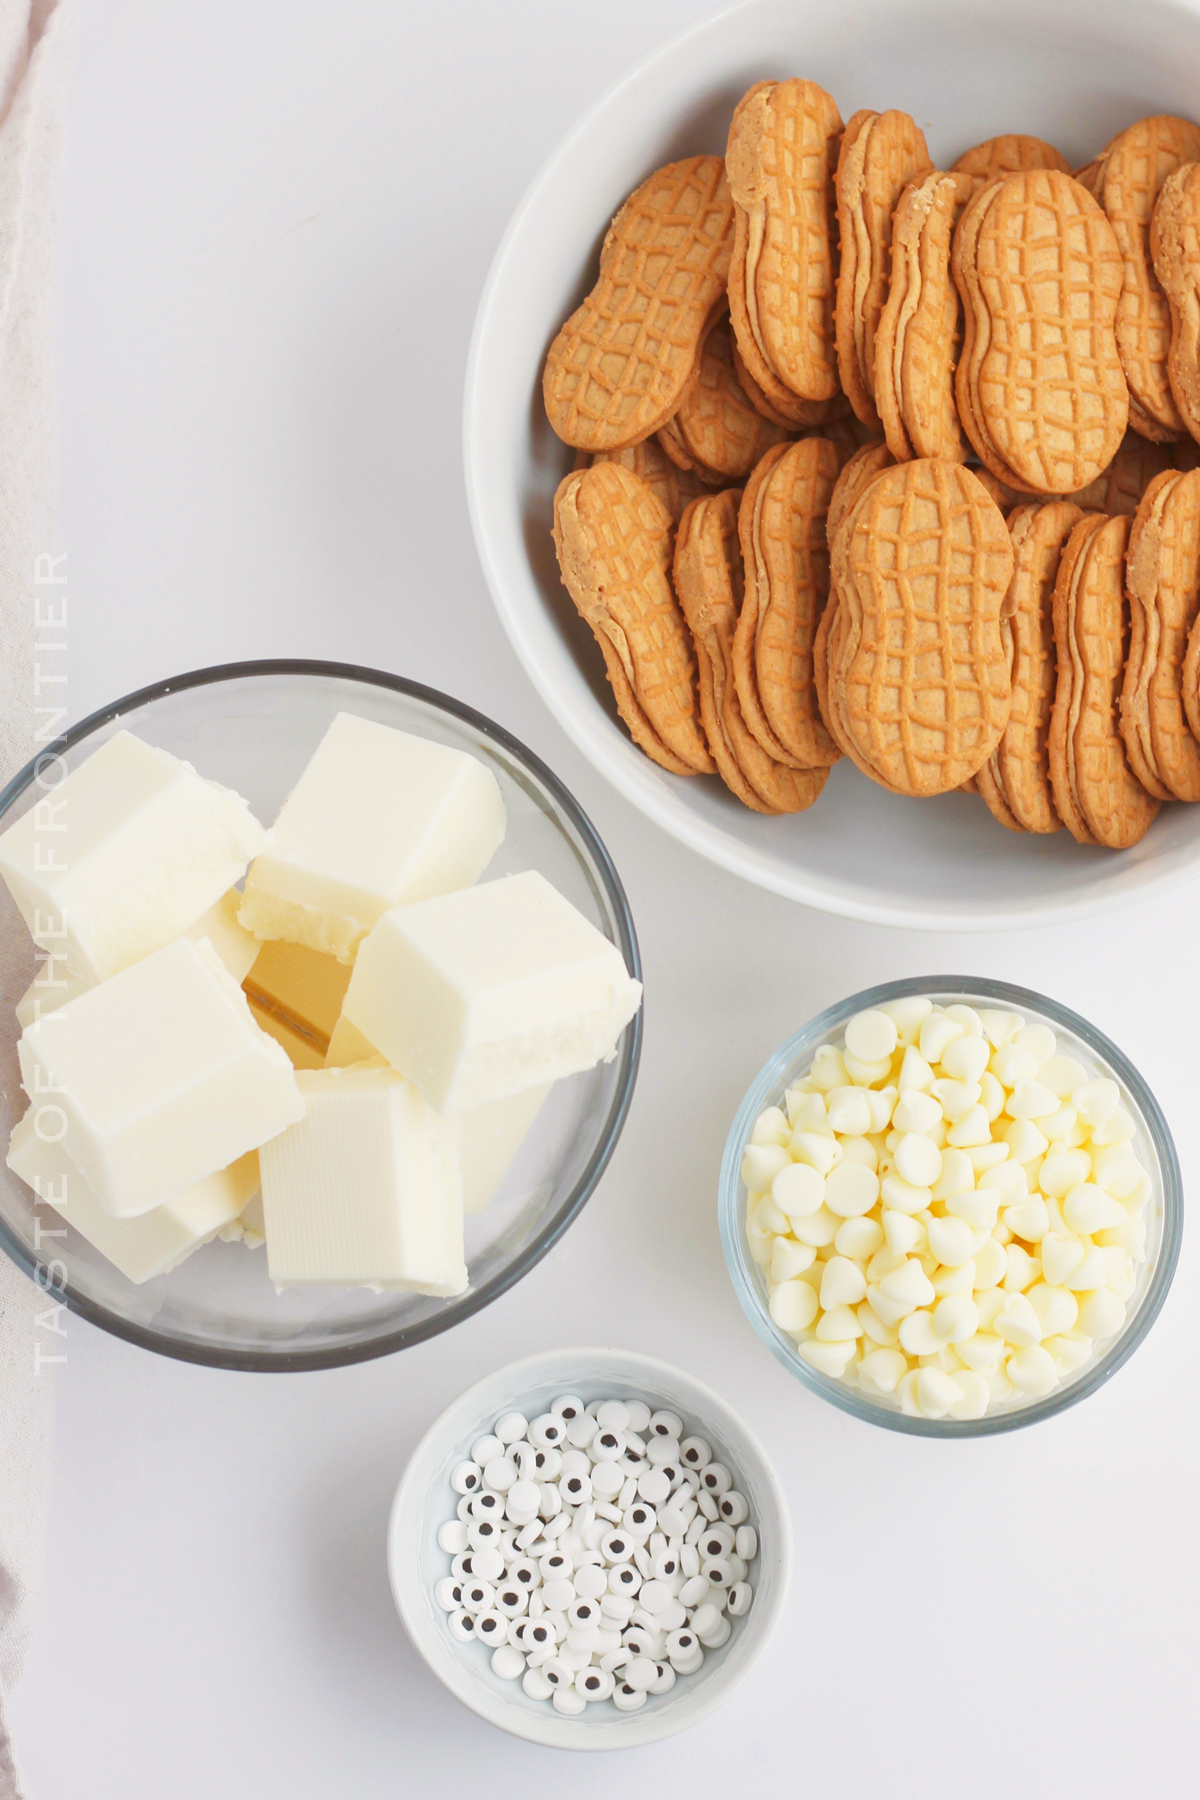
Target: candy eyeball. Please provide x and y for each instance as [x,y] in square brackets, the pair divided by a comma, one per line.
[604,1548]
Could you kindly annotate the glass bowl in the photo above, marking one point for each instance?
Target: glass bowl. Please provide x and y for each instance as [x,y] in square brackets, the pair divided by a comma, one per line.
[252,726]
[1152,1143]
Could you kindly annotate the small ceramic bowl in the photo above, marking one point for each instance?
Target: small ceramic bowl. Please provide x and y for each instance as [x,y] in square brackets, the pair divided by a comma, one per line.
[1152,1143]
[425,1500]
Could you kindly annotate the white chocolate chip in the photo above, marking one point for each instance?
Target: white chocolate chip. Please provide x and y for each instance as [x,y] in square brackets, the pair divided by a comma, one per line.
[908,1016]
[798,1190]
[793,1305]
[966,1059]
[957,1235]
[1039,1041]
[937,1033]
[1087,1208]
[1096,1101]
[870,1036]
[851,1190]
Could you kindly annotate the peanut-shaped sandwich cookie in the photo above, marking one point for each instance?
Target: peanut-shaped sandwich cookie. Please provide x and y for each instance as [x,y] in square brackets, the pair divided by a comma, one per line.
[920,327]
[675,487]
[785,551]
[783,145]
[709,582]
[1096,794]
[1135,165]
[1162,578]
[718,431]
[613,539]
[1014,783]
[880,154]
[624,360]
[1040,388]
[1175,249]
[918,676]
[1011,154]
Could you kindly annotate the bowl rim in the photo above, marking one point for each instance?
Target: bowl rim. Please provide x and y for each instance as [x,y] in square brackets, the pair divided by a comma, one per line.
[339,1356]
[406,1585]
[851,1400]
[590,728]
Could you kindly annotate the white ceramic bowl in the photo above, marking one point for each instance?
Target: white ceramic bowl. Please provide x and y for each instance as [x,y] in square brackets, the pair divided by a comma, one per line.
[424,1501]
[1074,72]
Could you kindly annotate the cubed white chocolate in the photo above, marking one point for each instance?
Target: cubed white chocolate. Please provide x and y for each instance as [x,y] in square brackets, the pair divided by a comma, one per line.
[365,1191]
[156,1241]
[157,1078]
[124,855]
[347,1045]
[487,1139]
[54,984]
[378,819]
[296,995]
[487,992]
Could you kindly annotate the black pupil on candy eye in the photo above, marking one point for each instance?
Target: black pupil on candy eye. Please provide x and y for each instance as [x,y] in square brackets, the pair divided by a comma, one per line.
[608,1440]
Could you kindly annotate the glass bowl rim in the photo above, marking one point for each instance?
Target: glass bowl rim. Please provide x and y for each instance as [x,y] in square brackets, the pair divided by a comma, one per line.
[343,1355]
[743,1275]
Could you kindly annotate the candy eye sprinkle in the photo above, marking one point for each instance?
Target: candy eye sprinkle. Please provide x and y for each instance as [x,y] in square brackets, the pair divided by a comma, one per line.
[587,1580]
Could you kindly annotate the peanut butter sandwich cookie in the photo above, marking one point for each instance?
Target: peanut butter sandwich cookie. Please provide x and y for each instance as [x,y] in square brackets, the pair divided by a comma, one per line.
[918,678]
[671,442]
[793,413]
[1040,388]
[1128,475]
[613,539]
[880,154]
[1098,797]
[1175,249]
[856,475]
[708,580]
[623,361]
[1008,155]
[1135,165]
[673,486]
[1015,781]
[720,428]
[785,554]
[783,145]
[920,328]
[1162,578]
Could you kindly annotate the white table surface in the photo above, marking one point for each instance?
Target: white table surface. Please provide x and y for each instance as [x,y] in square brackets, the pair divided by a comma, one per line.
[277,220]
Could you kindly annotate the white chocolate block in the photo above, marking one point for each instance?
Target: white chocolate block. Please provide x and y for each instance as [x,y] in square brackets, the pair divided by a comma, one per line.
[249,1227]
[488,1137]
[347,1045]
[365,1190]
[378,819]
[156,1241]
[124,855]
[236,947]
[157,1077]
[490,991]
[296,994]
[54,984]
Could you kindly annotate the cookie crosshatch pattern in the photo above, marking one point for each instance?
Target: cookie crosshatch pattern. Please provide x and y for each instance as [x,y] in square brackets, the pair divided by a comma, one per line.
[838,417]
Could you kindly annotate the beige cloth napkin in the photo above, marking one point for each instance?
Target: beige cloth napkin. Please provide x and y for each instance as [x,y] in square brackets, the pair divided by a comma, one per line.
[35,41]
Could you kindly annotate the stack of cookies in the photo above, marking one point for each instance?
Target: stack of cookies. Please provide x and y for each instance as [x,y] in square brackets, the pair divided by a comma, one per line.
[895,463]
